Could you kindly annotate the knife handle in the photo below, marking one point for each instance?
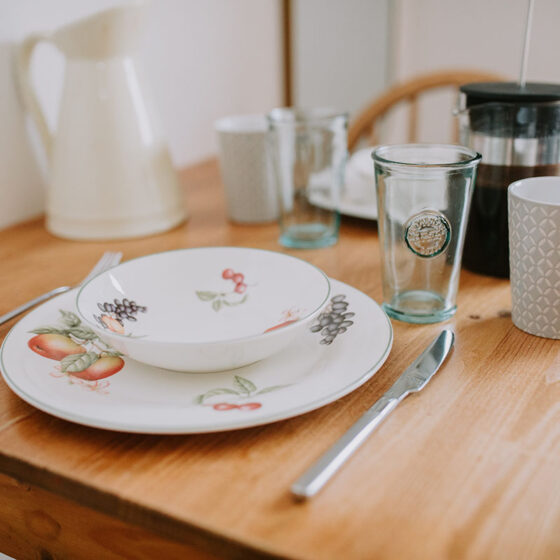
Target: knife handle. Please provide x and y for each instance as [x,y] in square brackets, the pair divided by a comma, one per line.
[323,469]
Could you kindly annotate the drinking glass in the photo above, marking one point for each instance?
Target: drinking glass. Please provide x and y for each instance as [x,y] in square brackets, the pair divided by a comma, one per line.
[309,151]
[423,197]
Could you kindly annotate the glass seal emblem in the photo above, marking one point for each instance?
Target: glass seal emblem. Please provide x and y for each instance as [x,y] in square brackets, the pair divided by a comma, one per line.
[427,234]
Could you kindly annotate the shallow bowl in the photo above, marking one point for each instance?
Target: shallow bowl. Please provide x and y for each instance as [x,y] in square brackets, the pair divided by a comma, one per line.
[204,309]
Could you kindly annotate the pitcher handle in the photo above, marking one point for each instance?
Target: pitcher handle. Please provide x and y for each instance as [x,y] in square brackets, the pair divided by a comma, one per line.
[27,91]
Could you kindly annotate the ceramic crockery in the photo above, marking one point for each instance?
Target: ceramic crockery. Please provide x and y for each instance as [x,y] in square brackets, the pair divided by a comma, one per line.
[329,359]
[110,174]
[534,251]
[204,309]
[246,169]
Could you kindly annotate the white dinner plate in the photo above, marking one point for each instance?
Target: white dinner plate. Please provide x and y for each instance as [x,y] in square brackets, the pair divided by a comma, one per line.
[322,366]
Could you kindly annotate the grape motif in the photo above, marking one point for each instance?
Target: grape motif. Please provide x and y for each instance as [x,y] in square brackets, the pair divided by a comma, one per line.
[124,310]
[334,320]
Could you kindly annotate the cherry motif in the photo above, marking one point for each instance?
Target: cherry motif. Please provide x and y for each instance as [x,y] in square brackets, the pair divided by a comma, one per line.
[250,406]
[240,288]
[224,406]
[237,278]
[230,406]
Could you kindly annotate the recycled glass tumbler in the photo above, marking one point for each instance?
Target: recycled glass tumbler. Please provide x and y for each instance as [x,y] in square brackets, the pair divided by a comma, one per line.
[308,150]
[423,196]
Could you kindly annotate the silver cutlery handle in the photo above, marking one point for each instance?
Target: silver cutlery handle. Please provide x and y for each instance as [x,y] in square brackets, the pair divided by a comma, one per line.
[323,469]
[28,305]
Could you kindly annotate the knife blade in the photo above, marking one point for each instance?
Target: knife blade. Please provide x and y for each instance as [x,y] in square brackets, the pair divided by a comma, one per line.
[414,379]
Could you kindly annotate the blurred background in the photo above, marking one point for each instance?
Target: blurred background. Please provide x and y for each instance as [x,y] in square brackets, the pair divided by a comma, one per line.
[205,60]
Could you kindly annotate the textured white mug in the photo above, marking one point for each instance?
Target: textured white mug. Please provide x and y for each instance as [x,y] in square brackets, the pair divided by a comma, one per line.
[534,254]
[246,169]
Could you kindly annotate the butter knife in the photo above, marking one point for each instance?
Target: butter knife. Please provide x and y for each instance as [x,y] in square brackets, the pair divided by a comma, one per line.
[414,379]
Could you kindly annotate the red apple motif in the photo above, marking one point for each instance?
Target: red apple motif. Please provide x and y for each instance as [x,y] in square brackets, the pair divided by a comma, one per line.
[104,367]
[54,346]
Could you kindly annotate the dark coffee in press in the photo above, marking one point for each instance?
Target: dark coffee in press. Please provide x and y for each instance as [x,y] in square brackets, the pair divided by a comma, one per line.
[517,131]
[486,245]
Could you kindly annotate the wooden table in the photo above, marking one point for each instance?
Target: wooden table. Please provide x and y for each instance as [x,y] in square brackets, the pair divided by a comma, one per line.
[469,468]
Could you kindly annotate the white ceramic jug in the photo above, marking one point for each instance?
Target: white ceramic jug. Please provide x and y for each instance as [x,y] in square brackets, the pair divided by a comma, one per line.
[110,173]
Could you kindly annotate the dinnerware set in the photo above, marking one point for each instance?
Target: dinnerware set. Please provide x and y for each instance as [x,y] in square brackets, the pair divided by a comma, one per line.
[204,309]
[55,359]
[207,339]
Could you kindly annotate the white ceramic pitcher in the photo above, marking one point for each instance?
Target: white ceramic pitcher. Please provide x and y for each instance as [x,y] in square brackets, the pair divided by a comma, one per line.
[110,173]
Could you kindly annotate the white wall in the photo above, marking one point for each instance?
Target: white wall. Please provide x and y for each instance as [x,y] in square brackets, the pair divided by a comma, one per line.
[480,34]
[340,52]
[485,34]
[203,60]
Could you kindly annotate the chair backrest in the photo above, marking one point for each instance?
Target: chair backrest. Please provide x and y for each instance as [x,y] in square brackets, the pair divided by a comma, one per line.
[364,125]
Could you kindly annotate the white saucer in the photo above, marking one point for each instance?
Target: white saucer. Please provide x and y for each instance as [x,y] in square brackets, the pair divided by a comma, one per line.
[364,208]
[358,198]
[145,399]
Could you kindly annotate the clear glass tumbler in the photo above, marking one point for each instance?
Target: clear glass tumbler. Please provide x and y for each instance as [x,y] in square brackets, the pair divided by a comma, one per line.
[309,151]
[423,196]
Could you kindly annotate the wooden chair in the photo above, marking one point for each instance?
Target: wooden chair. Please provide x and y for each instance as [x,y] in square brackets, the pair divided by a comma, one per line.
[409,92]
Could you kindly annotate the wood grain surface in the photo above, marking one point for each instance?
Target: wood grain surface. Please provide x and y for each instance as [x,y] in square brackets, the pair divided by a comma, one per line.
[468,468]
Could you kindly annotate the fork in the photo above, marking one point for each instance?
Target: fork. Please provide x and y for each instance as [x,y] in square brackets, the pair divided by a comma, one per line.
[108,260]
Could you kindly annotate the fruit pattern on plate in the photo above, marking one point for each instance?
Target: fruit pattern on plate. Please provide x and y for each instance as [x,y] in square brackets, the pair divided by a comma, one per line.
[229,298]
[335,320]
[80,353]
[113,314]
[83,358]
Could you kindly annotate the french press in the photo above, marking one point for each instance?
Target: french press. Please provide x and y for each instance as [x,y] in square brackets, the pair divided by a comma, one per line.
[517,130]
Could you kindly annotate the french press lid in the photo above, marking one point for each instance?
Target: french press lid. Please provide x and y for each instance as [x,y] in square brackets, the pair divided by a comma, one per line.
[509,92]
[510,124]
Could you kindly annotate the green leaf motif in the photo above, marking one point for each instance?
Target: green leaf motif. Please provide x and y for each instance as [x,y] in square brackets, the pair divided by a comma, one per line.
[48,330]
[269,389]
[70,319]
[201,398]
[244,385]
[206,296]
[233,303]
[83,333]
[78,362]
[217,304]
[112,354]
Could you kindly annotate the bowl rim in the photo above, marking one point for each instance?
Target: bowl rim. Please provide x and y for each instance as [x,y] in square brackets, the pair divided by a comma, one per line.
[247,338]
